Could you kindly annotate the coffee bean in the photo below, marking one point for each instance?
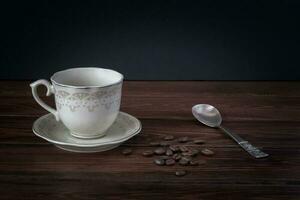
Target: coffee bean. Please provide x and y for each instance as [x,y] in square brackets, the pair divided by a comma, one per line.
[164,157]
[180,173]
[159,161]
[187,153]
[169,152]
[190,152]
[183,161]
[169,137]
[174,148]
[194,163]
[188,158]
[170,162]
[164,144]
[176,157]
[194,152]
[183,139]
[183,148]
[127,151]
[160,151]
[148,153]
[198,141]
[207,152]
[155,144]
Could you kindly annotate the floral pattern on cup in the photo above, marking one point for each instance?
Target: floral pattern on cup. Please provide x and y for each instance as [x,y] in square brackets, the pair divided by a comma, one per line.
[87,100]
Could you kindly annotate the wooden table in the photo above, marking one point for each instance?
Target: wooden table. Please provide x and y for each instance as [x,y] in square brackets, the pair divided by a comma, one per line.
[265,113]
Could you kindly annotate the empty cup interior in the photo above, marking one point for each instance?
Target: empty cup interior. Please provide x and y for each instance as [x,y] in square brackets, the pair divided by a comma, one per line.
[87,77]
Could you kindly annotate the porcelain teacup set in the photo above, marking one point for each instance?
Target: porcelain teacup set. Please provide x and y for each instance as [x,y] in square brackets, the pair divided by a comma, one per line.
[87,117]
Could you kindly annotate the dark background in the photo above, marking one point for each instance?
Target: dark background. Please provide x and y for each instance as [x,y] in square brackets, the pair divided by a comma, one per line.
[174,40]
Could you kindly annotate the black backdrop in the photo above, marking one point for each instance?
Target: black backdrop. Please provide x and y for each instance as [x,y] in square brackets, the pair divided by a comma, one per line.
[174,40]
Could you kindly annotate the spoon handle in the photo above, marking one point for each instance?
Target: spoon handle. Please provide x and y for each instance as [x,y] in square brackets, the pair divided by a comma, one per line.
[252,150]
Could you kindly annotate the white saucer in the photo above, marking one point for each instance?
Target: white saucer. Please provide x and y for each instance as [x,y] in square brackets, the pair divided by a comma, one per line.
[124,128]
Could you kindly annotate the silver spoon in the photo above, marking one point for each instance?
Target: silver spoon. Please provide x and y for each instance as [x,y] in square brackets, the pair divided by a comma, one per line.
[211,117]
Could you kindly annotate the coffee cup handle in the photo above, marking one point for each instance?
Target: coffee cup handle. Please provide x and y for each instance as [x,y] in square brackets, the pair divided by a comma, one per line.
[50,90]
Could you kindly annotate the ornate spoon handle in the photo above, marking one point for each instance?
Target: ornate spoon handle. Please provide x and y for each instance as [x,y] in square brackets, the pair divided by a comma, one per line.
[252,150]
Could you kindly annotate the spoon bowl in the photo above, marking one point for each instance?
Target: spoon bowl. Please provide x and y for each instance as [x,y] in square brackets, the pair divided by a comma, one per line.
[207,114]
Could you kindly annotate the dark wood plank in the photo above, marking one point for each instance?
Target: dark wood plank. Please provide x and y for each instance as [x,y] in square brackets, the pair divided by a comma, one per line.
[238,101]
[49,169]
[46,157]
[232,108]
[17,130]
[69,185]
[265,113]
[25,153]
[181,88]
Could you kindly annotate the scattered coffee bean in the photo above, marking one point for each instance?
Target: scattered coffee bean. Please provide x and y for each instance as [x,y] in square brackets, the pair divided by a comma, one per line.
[183,148]
[184,161]
[180,173]
[148,153]
[183,139]
[159,161]
[174,148]
[154,144]
[164,144]
[169,137]
[187,153]
[164,157]
[207,152]
[194,163]
[176,157]
[198,141]
[194,152]
[127,151]
[170,162]
[160,151]
[169,152]
[188,158]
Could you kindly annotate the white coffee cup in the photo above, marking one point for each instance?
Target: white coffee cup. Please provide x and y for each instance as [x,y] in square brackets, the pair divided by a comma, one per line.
[87,99]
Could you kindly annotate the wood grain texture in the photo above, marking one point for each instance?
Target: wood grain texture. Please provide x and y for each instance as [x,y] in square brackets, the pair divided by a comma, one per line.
[265,113]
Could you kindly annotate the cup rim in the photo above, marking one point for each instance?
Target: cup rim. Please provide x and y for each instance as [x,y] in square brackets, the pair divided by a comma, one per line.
[86,87]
